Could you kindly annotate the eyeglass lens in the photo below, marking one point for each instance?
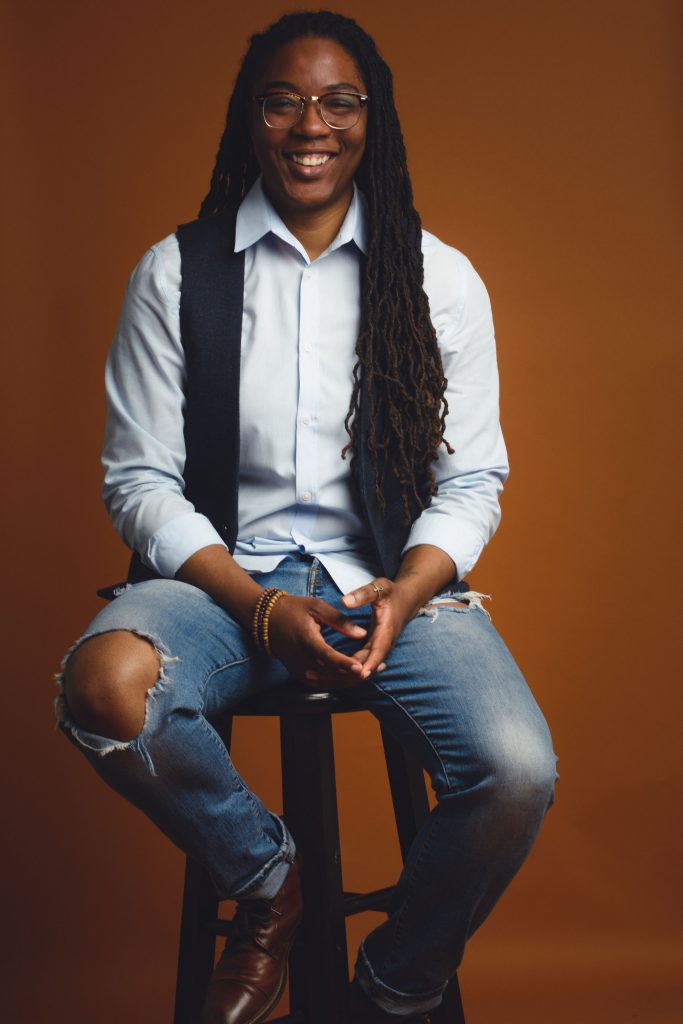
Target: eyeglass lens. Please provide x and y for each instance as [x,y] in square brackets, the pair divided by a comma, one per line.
[339,110]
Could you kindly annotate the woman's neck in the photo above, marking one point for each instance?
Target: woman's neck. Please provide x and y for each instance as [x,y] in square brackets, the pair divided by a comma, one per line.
[316,229]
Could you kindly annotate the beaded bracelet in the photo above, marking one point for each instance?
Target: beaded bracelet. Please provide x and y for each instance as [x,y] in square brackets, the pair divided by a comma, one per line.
[257,617]
[258,612]
[270,604]
[261,617]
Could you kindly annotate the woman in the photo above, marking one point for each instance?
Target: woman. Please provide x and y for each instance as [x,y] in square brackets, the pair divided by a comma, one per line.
[302,319]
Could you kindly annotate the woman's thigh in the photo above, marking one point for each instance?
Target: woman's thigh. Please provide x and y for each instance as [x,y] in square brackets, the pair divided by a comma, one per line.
[207,660]
[453,695]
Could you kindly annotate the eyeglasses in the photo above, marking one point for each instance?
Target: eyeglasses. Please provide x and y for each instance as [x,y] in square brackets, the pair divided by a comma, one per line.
[339,110]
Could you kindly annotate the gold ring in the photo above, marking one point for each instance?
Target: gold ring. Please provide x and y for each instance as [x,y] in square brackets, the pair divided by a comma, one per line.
[377,588]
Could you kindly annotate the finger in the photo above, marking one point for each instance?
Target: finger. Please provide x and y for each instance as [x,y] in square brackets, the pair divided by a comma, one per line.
[340,680]
[326,657]
[335,618]
[379,648]
[372,657]
[363,655]
[368,594]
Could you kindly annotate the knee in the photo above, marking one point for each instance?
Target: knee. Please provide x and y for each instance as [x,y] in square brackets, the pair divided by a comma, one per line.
[523,770]
[514,764]
[106,681]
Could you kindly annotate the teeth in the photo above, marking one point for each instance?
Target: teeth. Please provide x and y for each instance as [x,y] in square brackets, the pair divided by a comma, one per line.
[314,160]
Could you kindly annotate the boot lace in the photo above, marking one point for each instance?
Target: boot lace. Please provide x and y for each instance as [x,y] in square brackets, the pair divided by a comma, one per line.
[246,924]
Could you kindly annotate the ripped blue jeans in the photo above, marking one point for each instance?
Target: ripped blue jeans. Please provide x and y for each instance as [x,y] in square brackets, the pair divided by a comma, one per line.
[451,693]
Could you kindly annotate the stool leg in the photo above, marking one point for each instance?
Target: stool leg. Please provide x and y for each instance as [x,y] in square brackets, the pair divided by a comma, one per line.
[411,807]
[318,965]
[197,943]
[449,1010]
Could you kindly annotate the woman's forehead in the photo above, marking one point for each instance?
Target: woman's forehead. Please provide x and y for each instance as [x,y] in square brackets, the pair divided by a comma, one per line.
[311,65]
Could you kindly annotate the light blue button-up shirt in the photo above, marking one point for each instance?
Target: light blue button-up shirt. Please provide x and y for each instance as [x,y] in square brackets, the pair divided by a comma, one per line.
[299,329]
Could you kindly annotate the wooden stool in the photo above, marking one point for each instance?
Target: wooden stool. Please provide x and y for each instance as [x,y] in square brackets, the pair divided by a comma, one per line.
[318,966]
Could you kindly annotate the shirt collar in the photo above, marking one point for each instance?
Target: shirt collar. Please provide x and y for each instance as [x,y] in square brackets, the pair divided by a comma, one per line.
[257,217]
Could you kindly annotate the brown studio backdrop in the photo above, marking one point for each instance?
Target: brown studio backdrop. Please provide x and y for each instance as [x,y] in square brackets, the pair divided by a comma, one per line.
[544,141]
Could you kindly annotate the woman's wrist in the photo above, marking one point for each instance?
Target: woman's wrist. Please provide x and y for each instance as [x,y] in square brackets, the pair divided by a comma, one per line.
[260,623]
[407,594]
[214,570]
[424,571]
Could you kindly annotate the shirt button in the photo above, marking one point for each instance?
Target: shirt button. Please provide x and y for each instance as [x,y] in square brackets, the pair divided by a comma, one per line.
[307,274]
[306,496]
[307,348]
[305,420]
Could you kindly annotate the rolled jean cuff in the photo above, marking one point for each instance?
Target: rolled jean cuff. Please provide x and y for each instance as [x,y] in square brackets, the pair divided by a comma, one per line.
[402,1004]
[265,885]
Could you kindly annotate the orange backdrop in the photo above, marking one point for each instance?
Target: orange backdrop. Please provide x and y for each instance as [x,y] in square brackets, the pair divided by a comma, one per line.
[545,142]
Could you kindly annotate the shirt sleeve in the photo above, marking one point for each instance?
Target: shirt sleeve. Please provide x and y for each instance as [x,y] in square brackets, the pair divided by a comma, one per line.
[144,445]
[463,516]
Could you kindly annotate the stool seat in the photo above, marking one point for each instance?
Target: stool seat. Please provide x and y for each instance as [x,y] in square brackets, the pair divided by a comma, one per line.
[295,698]
[318,963]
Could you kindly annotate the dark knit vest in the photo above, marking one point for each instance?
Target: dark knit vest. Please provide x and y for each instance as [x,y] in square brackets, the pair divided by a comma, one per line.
[211,299]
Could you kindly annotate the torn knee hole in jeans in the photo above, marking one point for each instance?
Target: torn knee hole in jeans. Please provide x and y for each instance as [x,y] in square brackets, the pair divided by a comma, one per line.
[462,602]
[102,745]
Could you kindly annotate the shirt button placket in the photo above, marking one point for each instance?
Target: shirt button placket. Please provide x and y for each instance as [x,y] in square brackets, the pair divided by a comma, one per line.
[309,388]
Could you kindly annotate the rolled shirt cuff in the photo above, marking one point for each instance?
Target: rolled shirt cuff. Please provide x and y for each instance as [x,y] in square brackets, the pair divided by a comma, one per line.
[459,540]
[176,541]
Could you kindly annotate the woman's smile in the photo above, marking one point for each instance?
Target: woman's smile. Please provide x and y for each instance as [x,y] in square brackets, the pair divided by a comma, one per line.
[310,159]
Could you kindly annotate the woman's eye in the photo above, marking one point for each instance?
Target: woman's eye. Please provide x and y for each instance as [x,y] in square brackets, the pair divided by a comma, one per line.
[340,102]
[281,103]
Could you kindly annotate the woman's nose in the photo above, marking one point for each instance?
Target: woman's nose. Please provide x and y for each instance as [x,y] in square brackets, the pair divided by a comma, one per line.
[311,122]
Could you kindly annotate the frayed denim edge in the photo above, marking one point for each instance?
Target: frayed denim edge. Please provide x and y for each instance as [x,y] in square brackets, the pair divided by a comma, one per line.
[472,598]
[104,745]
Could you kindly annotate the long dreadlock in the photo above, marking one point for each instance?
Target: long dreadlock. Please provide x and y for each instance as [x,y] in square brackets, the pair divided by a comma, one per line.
[398,359]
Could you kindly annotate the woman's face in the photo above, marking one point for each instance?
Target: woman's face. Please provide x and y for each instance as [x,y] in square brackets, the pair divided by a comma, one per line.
[310,67]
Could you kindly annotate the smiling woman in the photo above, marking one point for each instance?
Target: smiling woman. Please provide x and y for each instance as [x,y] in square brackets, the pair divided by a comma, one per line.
[308,166]
[302,318]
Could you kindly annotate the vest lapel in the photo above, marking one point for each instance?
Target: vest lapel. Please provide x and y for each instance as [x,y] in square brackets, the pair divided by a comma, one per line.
[211,301]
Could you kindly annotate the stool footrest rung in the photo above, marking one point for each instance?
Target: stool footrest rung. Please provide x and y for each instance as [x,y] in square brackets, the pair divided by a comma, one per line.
[357,902]
[354,903]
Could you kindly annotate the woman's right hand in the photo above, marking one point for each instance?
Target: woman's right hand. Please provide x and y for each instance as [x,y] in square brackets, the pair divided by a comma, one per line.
[295,622]
[295,636]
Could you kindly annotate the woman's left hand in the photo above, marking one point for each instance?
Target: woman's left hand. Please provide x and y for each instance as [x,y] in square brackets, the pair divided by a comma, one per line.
[390,612]
[424,571]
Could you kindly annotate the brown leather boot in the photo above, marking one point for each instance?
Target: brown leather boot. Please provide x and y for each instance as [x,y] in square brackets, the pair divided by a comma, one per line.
[364,1011]
[250,976]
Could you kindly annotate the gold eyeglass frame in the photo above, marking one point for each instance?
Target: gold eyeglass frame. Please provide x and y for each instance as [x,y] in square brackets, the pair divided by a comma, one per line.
[302,100]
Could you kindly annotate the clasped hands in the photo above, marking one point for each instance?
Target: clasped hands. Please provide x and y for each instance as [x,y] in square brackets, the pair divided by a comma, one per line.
[296,625]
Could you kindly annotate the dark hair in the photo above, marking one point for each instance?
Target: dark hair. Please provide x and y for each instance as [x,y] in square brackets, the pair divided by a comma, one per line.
[398,359]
